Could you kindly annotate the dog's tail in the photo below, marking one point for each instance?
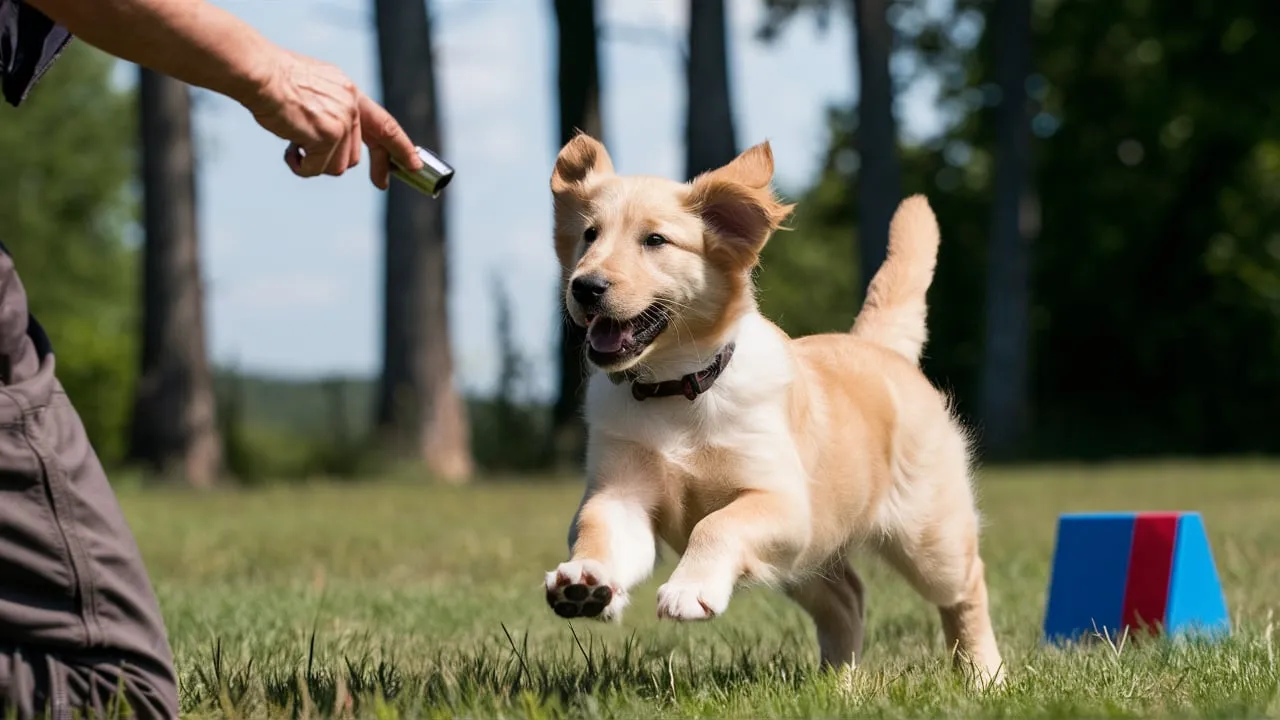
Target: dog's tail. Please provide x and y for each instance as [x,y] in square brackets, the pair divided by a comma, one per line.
[894,313]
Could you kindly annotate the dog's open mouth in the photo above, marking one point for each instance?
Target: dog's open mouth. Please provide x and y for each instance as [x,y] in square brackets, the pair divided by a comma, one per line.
[611,341]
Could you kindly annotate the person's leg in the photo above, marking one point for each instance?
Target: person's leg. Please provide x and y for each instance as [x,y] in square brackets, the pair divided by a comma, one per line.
[80,628]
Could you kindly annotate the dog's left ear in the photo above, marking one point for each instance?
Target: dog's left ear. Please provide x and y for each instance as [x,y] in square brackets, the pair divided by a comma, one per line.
[579,162]
[580,158]
[738,207]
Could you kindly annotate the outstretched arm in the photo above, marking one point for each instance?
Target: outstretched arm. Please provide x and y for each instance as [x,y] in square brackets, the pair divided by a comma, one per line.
[191,40]
[311,104]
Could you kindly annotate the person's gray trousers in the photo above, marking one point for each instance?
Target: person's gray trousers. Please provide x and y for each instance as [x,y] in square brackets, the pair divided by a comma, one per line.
[80,628]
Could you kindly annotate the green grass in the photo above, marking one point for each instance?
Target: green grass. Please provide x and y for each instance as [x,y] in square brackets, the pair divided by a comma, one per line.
[394,600]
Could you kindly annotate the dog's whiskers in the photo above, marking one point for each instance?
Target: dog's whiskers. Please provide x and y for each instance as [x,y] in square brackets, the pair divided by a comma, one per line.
[678,319]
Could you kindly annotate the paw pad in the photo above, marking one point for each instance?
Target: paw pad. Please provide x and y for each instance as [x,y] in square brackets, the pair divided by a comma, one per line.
[581,599]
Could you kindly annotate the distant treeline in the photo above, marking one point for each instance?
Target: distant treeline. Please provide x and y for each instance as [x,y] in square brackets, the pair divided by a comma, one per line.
[1109,277]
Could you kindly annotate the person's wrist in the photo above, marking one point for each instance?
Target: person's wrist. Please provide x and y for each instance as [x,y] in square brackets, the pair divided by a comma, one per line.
[256,84]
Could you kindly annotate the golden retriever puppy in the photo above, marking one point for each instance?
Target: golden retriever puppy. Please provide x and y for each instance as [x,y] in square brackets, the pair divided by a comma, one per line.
[757,457]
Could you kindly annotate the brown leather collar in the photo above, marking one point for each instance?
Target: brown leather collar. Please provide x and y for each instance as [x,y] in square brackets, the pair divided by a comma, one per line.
[691,385]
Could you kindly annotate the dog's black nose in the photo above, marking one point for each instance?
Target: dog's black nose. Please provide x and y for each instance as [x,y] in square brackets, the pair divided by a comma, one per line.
[588,289]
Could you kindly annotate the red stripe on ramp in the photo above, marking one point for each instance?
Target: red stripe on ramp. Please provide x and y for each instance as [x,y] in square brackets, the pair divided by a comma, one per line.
[1146,592]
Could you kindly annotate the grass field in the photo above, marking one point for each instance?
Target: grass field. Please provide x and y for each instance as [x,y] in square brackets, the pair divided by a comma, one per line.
[396,600]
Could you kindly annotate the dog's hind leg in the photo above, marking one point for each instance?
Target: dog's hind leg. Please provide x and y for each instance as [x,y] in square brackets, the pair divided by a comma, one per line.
[938,555]
[931,537]
[835,600]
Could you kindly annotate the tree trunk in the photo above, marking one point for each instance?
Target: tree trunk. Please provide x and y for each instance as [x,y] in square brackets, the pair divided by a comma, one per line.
[710,139]
[174,430]
[420,413]
[1015,223]
[579,94]
[879,185]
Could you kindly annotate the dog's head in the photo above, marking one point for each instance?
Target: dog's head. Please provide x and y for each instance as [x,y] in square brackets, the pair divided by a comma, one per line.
[652,264]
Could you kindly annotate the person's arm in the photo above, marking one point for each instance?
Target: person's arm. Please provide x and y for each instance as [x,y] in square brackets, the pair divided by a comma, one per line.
[191,40]
[311,104]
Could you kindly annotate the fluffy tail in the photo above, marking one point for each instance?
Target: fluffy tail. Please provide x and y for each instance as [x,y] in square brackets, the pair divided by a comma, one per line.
[894,313]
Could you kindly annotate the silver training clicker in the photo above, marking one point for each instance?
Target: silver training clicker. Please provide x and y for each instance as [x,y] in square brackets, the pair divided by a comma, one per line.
[434,175]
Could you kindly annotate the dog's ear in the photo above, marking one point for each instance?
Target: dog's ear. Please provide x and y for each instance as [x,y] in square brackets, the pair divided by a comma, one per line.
[580,160]
[738,207]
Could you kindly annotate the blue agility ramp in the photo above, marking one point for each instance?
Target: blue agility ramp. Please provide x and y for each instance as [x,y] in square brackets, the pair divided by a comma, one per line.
[1135,571]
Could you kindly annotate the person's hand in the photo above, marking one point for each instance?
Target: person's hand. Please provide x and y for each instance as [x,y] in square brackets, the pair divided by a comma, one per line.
[325,118]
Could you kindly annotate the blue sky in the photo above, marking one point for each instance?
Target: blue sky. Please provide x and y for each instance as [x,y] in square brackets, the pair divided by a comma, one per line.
[293,265]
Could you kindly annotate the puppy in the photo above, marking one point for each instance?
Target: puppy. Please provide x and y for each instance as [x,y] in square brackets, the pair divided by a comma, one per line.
[757,457]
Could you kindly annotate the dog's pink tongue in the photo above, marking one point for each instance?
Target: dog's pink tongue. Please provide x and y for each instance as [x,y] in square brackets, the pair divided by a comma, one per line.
[605,335]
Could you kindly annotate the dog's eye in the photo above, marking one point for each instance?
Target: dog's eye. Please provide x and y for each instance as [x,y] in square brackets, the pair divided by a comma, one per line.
[654,240]
[589,235]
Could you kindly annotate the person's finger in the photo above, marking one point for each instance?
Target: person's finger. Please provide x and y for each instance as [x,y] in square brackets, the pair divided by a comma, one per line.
[293,158]
[338,161]
[382,129]
[354,143]
[319,153]
[350,151]
[317,157]
[379,166]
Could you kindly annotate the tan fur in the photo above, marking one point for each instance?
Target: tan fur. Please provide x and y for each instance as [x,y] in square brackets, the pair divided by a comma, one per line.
[894,312]
[805,448]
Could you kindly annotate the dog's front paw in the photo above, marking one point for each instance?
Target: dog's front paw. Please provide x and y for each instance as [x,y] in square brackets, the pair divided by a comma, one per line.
[582,588]
[688,601]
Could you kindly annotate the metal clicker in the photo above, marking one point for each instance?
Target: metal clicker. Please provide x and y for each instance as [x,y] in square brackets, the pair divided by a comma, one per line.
[431,178]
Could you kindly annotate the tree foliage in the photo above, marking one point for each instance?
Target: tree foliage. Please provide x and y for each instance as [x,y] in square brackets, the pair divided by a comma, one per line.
[66,205]
[1155,316]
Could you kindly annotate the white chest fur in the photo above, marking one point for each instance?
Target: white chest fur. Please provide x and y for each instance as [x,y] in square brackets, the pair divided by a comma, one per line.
[744,414]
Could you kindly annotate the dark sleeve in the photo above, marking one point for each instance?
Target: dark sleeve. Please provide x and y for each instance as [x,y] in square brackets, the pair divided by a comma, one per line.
[29,43]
